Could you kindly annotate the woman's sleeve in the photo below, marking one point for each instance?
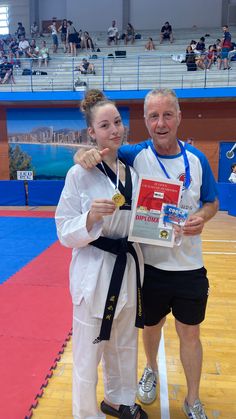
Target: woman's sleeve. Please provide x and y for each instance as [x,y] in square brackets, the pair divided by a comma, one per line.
[70,220]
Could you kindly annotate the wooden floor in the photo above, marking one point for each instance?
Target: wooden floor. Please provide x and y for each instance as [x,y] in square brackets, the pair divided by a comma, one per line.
[218,338]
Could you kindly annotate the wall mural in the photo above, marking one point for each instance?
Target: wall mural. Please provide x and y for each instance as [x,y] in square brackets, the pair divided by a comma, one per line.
[45,140]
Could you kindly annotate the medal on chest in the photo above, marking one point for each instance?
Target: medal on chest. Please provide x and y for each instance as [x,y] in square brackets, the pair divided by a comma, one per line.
[118,198]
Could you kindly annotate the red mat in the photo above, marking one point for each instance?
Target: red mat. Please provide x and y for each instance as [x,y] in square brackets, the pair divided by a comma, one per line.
[35,323]
[28,213]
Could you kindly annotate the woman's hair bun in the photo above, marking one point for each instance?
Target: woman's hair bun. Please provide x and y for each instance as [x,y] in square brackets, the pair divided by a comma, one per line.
[92,97]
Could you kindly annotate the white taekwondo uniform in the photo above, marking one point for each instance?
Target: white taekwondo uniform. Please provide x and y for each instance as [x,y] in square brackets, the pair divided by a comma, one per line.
[90,274]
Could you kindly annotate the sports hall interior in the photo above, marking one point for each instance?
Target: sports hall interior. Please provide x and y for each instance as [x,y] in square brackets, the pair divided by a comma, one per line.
[35,325]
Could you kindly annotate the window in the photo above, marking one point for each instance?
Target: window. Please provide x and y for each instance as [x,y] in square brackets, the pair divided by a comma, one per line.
[4,29]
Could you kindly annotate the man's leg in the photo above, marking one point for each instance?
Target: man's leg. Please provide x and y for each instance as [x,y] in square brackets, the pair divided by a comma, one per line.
[191,357]
[151,340]
[146,392]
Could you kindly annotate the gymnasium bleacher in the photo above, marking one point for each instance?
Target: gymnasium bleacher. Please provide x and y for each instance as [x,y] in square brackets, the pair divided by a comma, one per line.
[139,69]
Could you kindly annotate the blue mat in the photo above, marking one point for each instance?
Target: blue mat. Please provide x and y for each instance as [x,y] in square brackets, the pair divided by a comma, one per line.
[21,240]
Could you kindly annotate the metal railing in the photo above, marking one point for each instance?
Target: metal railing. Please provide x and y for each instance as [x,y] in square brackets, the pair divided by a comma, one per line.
[134,72]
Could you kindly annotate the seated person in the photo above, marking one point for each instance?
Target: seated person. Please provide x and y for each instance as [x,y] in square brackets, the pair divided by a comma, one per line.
[166,32]
[86,41]
[23,46]
[218,53]
[43,54]
[200,61]
[13,59]
[14,46]
[2,46]
[113,34]
[200,47]
[6,71]
[210,56]
[86,67]
[190,59]
[232,53]
[34,30]
[33,50]
[150,46]
[129,34]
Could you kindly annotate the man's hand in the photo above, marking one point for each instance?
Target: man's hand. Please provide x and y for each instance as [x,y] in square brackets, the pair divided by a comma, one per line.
[193,226]
[195,223]
[90,158]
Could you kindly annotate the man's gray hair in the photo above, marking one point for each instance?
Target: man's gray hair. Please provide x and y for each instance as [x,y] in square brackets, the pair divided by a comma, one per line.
[161,92]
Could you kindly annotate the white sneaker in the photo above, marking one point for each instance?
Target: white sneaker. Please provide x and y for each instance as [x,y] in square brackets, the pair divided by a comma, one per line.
[194,412]
[147,391]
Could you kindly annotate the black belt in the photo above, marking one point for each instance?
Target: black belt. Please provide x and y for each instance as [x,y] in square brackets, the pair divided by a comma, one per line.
[119,247]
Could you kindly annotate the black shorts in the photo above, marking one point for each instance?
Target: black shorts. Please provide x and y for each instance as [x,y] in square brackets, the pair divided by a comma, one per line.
[184,293]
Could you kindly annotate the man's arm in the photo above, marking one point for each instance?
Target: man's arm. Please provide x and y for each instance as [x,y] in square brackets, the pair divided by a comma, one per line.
[195,222]
[89,158]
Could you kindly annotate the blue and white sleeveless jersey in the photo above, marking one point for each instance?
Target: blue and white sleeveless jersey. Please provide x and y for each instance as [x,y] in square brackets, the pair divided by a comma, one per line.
[202,189]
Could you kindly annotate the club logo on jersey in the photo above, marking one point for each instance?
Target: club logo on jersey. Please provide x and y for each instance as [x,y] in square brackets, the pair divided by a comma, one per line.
[181,177]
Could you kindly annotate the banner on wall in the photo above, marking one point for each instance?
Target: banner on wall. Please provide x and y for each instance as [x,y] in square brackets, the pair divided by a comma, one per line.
[227,158]
[49,138]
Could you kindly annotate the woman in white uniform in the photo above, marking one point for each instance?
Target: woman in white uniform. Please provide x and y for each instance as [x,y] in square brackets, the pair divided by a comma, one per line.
[93,217]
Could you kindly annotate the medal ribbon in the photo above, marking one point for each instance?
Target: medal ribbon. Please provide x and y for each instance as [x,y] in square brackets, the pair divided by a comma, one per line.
[111,178]
[114,179]
[187,178]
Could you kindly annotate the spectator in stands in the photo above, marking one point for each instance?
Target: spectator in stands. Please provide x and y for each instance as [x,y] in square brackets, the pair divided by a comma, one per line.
[226,46]
[87,42]
[200,61]
[218,53]
[150,46]
[86,67]
[63,30]
[14,46]
[53,29]
[20,30]
[23,46]
[72,37]
[33,50]
[166,33]
[6,71]
[200,46]
[12,59]
[34,30]
[2,46]
[113,33]
[190,59]
[129,34]
[232,53]
[43,54]
[232,177]
[210,56]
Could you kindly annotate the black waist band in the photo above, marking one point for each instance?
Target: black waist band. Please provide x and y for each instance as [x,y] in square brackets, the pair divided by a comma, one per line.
[119,247]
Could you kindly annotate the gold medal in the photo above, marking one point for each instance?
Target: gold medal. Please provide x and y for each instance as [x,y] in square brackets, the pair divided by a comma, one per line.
[118,199]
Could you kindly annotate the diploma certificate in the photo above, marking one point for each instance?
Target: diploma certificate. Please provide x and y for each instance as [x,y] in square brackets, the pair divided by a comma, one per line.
[148,224]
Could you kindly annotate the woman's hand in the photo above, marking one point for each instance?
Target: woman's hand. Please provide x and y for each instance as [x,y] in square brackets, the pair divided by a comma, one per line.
[100,208]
